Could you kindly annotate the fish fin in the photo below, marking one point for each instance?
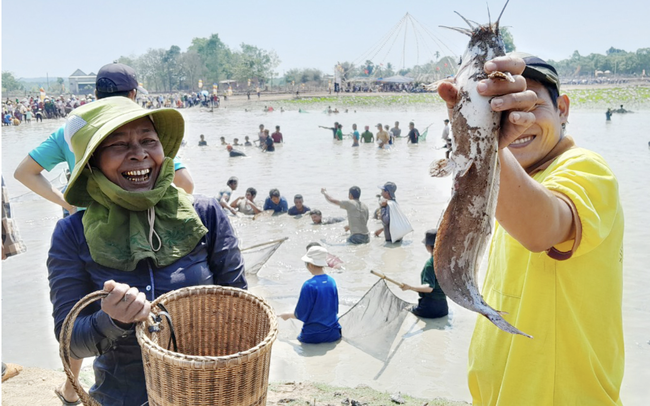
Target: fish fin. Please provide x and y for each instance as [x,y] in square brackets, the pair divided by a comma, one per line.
[500,322]
[467,168]
[433,87]
[441,168]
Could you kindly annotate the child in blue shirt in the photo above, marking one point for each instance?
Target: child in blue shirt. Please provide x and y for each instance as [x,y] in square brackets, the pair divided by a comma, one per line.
[318,304]
[275,202]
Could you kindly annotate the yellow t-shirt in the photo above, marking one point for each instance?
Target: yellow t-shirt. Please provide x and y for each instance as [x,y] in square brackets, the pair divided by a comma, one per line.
[572,308]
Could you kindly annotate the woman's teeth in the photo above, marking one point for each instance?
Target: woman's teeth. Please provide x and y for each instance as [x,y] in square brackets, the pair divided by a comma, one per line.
[137,173]
[141,175]
[523,140]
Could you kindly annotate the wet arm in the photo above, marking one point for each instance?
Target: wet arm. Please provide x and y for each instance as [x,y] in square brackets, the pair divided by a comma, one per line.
[287,316]
[528,211]
[419,288]
[236,202]
[183,179]
[256,208]
[29,173]
[329,198]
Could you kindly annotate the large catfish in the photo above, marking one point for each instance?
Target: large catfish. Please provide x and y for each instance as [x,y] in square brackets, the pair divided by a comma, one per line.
[466,225]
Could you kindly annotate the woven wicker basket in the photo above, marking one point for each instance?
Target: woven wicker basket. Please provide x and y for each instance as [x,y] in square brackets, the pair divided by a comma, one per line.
[224,338]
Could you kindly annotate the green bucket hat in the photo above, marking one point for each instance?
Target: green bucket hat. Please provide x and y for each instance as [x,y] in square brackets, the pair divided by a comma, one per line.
[87,126]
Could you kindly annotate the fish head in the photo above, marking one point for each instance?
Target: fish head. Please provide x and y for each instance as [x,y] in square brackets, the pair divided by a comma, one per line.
[485,43]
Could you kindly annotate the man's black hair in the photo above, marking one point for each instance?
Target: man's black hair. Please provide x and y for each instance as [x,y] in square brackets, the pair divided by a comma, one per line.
[313,244]
[316,212]
[355,191]
[252,191]
[274,193]
[102,95]
[552,92]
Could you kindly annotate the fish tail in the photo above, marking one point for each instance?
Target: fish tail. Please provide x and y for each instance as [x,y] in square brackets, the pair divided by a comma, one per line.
[500,322]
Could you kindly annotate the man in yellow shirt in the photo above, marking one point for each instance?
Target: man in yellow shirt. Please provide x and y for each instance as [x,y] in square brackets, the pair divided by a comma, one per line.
[556,258]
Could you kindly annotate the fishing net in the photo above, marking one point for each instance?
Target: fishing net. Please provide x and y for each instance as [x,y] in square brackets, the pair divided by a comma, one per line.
[374,321]
[256,256]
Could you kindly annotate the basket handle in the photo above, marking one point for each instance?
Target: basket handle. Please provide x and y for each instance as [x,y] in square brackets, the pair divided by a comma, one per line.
[65,336]
[64,344]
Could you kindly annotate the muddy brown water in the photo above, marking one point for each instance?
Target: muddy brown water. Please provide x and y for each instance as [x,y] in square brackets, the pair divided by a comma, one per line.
[428,358]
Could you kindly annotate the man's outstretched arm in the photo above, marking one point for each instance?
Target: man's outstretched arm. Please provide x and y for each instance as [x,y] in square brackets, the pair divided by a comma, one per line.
[329,198]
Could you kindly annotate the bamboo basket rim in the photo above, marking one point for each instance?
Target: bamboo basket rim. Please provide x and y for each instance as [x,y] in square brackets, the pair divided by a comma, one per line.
[203,361]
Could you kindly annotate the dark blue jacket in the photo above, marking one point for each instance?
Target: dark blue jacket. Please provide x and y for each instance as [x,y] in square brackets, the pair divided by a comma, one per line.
[72,273]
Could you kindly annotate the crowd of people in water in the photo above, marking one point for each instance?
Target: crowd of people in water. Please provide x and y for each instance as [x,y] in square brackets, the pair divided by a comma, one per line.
[126,177]
[385,137]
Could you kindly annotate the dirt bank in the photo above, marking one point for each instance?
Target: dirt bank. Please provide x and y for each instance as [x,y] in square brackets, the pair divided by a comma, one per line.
[35,386]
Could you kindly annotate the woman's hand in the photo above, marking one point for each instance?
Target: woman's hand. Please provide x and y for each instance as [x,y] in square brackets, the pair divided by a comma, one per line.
[406,287]
[124,304]
[511,98]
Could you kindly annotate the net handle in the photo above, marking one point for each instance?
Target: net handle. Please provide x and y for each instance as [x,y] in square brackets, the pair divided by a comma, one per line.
[263,244]
[382,276]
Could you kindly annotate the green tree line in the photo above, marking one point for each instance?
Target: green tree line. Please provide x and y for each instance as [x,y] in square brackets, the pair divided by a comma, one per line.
[210,60]
[616,61]
[206,59]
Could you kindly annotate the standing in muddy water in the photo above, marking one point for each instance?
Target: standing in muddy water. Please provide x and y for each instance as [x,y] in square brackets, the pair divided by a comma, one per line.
[357,215]
[555,264]
[432,303]
[318,304]
[446,138]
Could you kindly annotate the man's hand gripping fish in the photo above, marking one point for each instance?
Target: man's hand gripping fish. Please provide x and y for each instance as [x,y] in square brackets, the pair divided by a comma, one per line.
[466,225]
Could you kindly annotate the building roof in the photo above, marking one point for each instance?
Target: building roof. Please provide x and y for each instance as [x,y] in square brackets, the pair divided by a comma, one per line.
[78,72]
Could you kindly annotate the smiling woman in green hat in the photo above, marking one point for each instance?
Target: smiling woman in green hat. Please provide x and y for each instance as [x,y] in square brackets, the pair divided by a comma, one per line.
[140,237]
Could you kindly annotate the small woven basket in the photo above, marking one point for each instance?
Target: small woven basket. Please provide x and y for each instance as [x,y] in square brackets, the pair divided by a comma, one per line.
[224,337]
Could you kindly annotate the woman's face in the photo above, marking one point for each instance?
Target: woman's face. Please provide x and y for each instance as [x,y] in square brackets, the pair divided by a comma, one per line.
[131,156]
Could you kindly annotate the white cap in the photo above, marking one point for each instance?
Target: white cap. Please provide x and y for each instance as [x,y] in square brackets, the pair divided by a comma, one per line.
[316,256]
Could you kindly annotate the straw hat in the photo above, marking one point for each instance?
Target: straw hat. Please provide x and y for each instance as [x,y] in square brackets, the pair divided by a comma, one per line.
[87,126]
[316,256]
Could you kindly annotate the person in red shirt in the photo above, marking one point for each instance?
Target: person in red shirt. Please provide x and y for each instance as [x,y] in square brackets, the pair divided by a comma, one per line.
[277,135]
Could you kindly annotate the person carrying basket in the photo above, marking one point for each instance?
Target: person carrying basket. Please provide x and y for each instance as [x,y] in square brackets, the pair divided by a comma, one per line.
[139,238]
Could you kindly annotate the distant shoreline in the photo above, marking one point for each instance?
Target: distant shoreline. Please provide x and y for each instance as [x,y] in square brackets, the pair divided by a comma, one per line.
[635,94]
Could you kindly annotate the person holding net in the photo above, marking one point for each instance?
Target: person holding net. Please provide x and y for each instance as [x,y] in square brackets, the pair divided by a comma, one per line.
[433,301]
[318,304]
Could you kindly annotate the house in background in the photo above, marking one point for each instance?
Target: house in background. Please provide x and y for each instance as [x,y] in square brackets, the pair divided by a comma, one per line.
[80,83]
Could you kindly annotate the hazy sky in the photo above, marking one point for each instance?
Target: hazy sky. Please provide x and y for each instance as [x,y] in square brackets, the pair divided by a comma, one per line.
[57,37]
